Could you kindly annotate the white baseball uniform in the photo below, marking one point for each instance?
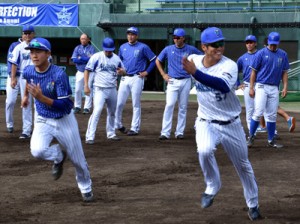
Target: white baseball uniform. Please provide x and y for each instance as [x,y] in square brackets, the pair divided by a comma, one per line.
[217,123]
[105,91]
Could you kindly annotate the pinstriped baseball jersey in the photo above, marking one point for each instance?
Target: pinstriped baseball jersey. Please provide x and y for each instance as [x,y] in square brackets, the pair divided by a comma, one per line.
[174,56]
[141,55]
[244,62]
[105,69]
[270,65]
[21,57]
[55,85]
[214,105]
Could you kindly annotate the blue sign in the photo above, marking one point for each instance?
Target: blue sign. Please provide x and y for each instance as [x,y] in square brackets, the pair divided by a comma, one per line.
[65,15]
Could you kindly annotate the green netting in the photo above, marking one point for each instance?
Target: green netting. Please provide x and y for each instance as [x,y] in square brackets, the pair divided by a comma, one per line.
[291,97]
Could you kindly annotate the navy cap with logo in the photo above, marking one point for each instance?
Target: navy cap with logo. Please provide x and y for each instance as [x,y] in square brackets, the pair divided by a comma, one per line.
[39,43]
[133,30]
[179,32]
[108,44]
[211,35]
[28,28]
[250,38]
[274,38]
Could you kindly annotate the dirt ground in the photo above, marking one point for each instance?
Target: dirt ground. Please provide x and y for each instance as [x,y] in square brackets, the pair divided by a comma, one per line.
[145,181]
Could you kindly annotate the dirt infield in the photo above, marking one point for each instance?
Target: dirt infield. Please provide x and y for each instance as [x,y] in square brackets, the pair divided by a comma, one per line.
[144,181]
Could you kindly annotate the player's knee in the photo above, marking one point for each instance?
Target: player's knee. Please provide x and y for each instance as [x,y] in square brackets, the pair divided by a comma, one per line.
[36,152]
[205,152]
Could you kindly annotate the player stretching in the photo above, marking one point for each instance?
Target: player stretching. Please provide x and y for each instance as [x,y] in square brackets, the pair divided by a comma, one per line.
[135,56]
[269,67]
[179,83]
[50,87]
[107,66]
[218,120]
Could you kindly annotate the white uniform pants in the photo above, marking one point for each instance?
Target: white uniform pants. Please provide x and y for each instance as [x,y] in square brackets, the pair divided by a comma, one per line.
[133,85]
[11,98]
[66,131]
[249,104]
[102,96]
[233,139]
[177,89]
[266,102]
[79,84]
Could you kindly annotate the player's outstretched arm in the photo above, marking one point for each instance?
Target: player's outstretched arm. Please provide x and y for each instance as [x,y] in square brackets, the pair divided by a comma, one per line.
[285,84]
[252,81]
[86,90]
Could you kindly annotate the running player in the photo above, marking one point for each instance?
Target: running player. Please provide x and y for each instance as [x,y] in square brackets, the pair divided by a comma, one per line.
[179,83]
[20,58]
[106,66]
[50,87]
[218,120]
[269,67]
[80,57]
[135,56]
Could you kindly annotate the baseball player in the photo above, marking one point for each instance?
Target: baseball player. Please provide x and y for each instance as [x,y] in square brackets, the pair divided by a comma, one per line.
[269,67]
[80,57]
[244,63]
[106,66]
[218,120]
[10,101]
[179,83]
[50,87]
[19,59]
[135,56]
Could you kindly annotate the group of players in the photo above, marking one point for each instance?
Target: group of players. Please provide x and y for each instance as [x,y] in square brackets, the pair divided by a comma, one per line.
[214,76]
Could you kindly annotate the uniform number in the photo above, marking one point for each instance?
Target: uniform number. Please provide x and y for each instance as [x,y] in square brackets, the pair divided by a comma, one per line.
[220,96]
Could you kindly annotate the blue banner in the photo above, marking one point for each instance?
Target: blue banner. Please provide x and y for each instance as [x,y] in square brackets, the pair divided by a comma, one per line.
[65,15]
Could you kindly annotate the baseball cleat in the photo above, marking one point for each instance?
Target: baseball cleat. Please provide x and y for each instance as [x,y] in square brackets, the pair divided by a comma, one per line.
[76,110]
[250,141]
[291,124]
[24,136]
[273,144]
[10,130]
[86,111]
[87,197]
[180,137]
[261,130]
[123,130]
[57,168]
[132,133]
[207,200]
[254,213]
[163,137]
[114,138]
[89,142]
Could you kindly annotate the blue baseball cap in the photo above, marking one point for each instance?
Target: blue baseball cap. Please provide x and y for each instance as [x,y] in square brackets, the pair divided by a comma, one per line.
[28,28]
[108,44]
[133,30]
[251,38]
[179,32]
[39,43]
[211,35]
[274,38]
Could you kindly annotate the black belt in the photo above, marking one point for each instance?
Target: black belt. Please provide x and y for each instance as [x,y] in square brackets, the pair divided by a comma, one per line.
[220,122]
[131,75]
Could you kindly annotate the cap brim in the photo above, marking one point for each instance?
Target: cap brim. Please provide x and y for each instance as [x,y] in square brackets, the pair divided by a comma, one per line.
[109,49]
[273,42]
[132,32]
[43,49]
[216,40]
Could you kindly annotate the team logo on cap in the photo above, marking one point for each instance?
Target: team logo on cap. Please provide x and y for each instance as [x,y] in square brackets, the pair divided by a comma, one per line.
[217,32]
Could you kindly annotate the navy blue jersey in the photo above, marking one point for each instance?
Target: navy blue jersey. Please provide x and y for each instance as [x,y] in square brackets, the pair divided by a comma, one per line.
[244,62]
[9,55]
[270,66]
[174,56]
[55,85]
[135,57]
